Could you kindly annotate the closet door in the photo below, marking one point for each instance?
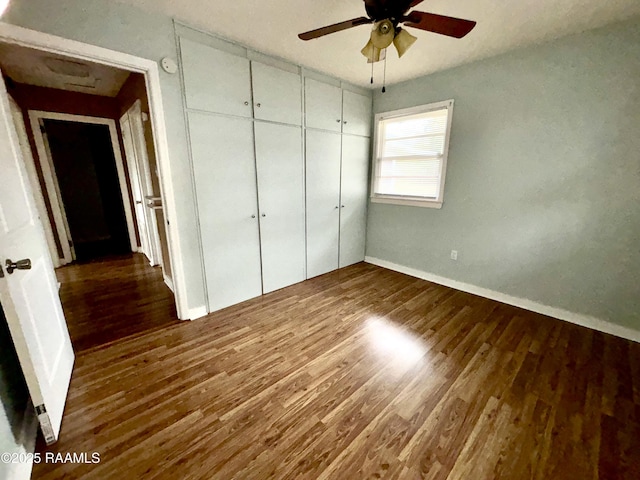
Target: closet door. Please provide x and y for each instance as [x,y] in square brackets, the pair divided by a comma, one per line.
[225,177]
[356,114]
[277,94]
[281,200]
[215,81]
[353,199]
[323,104]
[323,201]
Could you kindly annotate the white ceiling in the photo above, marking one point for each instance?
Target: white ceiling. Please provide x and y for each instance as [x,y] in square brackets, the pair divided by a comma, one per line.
[272,27]
[34,67]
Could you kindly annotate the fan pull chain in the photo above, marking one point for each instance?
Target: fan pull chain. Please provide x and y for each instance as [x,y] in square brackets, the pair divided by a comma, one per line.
[372,73]
[384,76]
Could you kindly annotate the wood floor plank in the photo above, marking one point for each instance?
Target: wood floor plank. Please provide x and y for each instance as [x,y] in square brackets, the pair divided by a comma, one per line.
[360,373]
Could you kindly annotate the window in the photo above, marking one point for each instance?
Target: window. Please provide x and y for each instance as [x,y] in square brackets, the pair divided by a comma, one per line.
[411,155]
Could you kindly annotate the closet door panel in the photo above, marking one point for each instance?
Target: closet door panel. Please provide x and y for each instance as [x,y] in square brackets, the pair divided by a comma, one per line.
[323,105]
[323,201]
[356,114]
[224,171]
[353,199]
[277,94]
[281,199]
[215,81]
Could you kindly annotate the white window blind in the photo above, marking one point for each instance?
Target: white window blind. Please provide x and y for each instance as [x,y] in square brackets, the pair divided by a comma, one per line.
[411,153]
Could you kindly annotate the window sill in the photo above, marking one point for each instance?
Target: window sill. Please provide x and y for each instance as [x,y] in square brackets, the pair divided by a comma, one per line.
[407,202]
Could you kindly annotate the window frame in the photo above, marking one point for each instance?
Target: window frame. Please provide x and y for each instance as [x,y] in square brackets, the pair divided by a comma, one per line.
[409,200]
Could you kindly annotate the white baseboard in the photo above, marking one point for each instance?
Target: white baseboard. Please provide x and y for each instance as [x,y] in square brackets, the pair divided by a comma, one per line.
[27,440]
[559,313]
[195,313]
[168,282]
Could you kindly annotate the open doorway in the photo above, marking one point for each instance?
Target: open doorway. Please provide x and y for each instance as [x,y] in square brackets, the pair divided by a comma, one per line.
[84,172]
[90,150]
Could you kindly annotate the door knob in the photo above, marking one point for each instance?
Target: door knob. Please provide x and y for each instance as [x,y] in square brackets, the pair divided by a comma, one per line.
[246,103]
[264,214]
[258,105]
[342,206]
[19,265]
[253,216]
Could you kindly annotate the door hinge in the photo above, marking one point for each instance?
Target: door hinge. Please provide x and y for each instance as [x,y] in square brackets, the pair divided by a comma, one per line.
[1,272]
[45,424]
[71,243]
[42,129]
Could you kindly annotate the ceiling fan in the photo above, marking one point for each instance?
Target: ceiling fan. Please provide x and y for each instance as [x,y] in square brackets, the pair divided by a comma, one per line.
[386,17]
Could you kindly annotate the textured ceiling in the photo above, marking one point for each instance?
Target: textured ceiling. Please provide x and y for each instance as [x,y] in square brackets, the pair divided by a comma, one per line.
[272,27]
[34,67]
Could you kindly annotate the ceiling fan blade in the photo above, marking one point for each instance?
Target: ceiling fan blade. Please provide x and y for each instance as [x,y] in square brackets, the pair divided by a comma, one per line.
[450,26]
[336,27]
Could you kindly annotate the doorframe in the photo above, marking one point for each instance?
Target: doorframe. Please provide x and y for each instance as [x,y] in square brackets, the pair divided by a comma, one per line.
[51,180]
[25,37]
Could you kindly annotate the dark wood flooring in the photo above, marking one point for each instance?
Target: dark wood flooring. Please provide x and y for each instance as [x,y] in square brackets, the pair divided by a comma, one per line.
[109,299]
[361,373]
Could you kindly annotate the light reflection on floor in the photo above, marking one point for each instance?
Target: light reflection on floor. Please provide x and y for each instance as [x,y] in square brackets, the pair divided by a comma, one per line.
[394,344]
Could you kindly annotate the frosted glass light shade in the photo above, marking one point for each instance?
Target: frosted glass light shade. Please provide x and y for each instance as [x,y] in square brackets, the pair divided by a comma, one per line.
[382,34]
[403,41]
[371,52]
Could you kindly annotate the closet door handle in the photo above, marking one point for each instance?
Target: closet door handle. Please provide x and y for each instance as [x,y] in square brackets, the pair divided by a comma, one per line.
[246,103]
[264,215]
[253,216]
[258,105]
[341,206]
[338,120]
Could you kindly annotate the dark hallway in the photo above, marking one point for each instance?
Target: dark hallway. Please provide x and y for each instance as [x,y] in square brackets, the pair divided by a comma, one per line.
[87,176]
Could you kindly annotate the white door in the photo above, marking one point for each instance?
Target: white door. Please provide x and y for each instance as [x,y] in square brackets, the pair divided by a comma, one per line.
[215,81]
[141,160]
[225,177]
[136,188]
[323,201]
[29,297]
[353,199]
[323,104]
[356,114]
[281,199]
[277,94]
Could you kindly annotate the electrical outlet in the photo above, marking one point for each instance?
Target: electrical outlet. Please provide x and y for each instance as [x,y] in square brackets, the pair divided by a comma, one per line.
[454,255]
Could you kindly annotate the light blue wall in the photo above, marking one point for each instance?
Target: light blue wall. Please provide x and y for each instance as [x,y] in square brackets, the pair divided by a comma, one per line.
[126,29]
[542,199]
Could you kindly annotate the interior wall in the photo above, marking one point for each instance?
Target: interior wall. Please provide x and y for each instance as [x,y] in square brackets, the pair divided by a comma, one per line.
[543,180]
[135,89]
[128,29]
[30,97]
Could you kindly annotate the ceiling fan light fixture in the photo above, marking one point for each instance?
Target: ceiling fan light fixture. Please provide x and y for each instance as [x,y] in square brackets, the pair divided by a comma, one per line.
[403,41]
[382,34]
[371,52]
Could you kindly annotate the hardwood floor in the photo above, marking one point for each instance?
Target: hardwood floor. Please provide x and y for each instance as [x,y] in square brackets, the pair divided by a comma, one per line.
[109,299]
[360,373]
